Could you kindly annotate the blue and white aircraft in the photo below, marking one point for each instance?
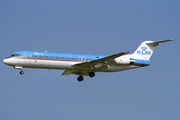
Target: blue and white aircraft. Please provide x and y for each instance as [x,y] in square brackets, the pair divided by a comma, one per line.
[84,65]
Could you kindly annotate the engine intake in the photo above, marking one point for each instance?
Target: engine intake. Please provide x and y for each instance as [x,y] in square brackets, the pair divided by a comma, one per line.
[125,61]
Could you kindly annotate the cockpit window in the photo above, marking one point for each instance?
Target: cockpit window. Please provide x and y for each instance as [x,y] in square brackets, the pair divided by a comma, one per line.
[15,55]
[12,55]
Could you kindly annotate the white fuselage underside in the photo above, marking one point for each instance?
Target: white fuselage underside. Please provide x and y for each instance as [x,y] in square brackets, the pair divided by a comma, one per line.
[63,65]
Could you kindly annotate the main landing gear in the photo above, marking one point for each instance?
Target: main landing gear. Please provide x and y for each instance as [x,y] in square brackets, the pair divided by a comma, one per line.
[81,78]
[91,74]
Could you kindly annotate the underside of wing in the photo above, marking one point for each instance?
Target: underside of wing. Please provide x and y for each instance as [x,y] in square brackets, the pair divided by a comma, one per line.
[67,72]
[76,72]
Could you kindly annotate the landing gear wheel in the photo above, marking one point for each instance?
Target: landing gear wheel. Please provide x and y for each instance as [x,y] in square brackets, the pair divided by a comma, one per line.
[91,74]
[80,78]
[21,72]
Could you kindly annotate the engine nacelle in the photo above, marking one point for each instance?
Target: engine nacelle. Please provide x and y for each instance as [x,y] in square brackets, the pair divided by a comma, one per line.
[125,61]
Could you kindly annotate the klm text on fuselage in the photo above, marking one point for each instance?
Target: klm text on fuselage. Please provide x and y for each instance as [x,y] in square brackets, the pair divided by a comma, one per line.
[141,52]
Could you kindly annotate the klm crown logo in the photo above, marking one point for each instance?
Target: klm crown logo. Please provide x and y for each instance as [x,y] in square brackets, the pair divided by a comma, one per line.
[143,51]
[143,48]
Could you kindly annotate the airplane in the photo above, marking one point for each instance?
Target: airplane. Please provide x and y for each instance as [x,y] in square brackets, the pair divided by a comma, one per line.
[81,64]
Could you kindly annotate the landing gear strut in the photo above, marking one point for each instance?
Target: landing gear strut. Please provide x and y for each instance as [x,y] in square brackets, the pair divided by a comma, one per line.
[91,74]
[80,78]
[21,72]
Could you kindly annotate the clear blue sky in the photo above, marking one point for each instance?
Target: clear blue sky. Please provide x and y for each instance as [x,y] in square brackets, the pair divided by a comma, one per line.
[102,27]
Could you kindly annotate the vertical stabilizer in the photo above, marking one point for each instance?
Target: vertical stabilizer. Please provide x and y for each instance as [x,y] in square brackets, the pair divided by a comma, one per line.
[146,49]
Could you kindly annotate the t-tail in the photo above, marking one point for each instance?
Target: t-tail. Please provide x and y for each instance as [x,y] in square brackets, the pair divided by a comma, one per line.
[146,49]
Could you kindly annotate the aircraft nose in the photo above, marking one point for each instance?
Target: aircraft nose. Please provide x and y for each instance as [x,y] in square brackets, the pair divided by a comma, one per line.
[5,61]
[9,61]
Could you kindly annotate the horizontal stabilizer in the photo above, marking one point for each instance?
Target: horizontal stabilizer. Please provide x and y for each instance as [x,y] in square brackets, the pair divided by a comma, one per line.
[159,42]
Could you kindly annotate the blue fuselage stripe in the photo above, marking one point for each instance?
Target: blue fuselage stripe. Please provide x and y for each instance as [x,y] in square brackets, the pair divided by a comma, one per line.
[140,61]
[60,55]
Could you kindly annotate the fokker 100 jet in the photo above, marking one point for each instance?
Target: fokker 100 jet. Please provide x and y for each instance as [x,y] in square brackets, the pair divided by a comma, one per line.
[84,65]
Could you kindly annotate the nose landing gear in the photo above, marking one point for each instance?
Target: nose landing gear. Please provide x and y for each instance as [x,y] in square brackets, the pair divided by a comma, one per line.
[21,72]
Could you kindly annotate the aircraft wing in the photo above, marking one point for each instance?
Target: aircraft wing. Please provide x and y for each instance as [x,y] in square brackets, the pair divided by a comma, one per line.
[105,60]
[93,64]
[159,42]
[67,72]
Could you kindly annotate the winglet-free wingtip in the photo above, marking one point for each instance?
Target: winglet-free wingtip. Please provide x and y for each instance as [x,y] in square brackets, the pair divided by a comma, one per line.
[126,52]
[171,39]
